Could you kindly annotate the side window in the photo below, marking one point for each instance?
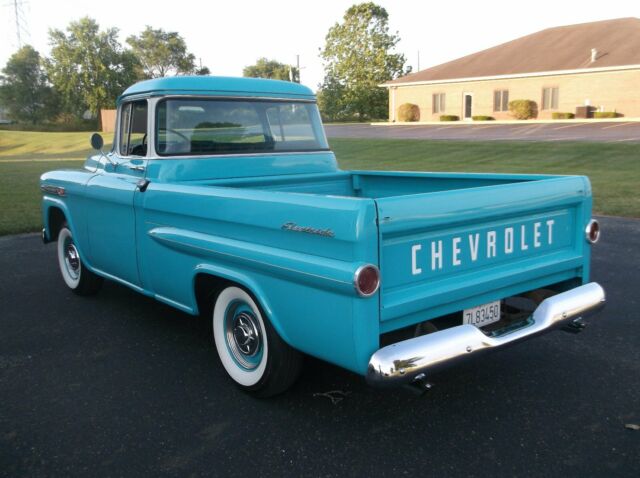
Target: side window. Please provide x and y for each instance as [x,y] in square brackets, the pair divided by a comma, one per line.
[289,122]
[133,129]
[550,98]
[125,121]
[437,102]
[501,100]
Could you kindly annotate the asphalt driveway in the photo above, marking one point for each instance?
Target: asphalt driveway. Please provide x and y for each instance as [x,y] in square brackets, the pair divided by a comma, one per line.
[120,385]
[486,131]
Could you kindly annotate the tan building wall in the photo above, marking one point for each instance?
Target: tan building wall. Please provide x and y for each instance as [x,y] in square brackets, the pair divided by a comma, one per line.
[611,91]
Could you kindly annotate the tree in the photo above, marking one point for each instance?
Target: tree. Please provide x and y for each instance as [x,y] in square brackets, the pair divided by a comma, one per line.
[358,58]
[272,69]
[163,53]
[89,67]
[25,91]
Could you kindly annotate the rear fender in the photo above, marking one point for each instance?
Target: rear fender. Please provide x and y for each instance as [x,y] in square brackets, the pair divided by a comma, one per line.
[244,280]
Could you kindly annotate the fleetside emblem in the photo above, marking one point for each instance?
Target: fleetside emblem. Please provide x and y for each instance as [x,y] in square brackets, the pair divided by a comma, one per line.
[292,226]
[55,190]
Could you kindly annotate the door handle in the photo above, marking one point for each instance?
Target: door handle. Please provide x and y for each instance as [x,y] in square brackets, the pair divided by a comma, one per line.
[142,185]
[136,168]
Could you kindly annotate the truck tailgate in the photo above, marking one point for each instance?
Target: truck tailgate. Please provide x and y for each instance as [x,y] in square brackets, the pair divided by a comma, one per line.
[445,251]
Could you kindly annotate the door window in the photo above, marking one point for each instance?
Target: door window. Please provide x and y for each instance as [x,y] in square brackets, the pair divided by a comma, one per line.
[133,129]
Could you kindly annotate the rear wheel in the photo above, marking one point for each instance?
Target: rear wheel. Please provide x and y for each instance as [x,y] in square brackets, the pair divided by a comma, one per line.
[77,277]
[251,351]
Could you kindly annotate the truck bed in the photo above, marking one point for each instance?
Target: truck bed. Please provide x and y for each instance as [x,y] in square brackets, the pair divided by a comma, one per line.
[449,241]
[376,185]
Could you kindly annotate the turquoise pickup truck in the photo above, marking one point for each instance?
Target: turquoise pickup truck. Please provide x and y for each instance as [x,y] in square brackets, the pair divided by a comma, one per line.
[221,197]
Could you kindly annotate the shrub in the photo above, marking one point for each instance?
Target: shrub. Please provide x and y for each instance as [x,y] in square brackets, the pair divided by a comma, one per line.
[523,109]
[482,118]
[559,115]
[449,118]
[605,114]
[408,112]
[80,125]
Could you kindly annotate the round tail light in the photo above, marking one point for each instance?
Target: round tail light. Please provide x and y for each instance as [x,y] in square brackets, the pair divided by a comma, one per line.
[592,232]
[367,280]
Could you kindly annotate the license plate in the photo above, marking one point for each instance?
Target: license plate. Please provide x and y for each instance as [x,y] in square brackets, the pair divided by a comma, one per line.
[482,315]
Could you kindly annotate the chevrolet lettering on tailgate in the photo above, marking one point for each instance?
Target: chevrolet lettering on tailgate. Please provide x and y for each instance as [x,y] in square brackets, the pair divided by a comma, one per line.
[494,244]
[220,197]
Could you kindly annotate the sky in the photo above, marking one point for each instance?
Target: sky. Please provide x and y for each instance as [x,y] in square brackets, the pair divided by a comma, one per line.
[229,35]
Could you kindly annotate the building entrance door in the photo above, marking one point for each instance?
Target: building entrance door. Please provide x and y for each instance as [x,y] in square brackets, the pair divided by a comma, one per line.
[468,106]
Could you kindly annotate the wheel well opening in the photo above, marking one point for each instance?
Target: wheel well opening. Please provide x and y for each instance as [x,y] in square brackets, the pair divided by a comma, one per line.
[56,220]
[207,288]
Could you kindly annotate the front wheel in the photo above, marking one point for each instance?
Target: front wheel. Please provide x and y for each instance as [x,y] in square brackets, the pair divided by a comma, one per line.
[251,351]
[77,277]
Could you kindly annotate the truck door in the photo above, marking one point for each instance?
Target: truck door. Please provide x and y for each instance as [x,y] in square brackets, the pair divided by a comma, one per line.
[110,195]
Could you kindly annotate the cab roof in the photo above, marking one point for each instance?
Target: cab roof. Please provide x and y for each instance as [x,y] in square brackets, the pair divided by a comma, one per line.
[218,86]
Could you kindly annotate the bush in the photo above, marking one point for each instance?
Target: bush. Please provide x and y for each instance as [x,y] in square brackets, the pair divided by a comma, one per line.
[605,114]
[482,118]
[80,125]
[408,112]
[449,118]
[523,109]
[559,115]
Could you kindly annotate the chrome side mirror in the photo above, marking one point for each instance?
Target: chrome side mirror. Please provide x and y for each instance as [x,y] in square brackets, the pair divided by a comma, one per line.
[97,143]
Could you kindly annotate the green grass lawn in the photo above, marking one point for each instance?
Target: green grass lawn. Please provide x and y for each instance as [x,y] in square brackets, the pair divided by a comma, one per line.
[614,169]
[21,145]
[20,194]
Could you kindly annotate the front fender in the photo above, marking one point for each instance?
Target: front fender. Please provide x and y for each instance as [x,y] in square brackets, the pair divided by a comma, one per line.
[49,202]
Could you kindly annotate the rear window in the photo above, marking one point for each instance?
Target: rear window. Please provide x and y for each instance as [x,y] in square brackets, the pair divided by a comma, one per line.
[189,126]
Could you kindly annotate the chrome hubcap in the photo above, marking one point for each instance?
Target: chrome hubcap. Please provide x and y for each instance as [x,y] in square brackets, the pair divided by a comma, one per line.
[72,260]
[245,333]
[242,331]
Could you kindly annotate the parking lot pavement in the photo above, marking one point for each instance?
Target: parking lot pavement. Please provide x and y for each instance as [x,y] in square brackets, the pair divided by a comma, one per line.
[485,131]
[120,385]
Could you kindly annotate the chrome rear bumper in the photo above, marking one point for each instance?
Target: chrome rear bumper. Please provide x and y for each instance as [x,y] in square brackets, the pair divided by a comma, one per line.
[400,363]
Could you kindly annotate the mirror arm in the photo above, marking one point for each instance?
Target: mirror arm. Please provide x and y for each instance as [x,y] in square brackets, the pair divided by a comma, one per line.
[111,161]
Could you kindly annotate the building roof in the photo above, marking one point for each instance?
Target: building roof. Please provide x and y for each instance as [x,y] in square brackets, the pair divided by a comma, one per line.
[555,49]
[218,86]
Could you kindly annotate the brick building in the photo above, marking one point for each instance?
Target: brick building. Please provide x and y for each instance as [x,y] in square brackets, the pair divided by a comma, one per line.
[591,64]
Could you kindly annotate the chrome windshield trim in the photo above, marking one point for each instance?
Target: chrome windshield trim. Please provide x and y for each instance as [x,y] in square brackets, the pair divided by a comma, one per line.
[234,155]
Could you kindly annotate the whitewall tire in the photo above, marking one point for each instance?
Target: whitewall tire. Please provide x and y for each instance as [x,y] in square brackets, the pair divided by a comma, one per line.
[77,277]
[69,259]
[251,351]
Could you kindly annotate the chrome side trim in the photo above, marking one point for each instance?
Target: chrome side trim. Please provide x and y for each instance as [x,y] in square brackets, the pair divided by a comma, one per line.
[401,362]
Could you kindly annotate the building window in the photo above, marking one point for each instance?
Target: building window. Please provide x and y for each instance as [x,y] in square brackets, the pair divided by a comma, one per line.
[501,100]
[438,103]
[550,98]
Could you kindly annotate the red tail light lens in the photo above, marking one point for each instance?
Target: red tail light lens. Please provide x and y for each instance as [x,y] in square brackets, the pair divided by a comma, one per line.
[367,280]
[592,232]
